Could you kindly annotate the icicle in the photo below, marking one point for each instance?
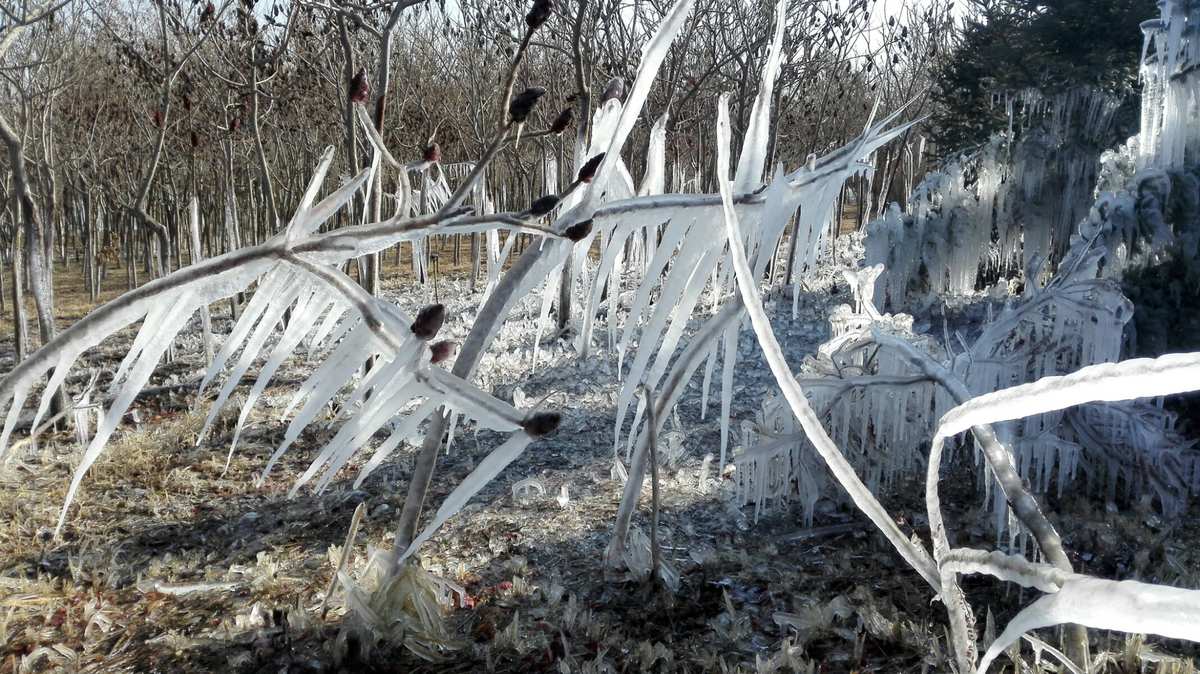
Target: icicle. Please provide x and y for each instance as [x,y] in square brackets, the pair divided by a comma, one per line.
[139,366]
[485,472]
[300,325]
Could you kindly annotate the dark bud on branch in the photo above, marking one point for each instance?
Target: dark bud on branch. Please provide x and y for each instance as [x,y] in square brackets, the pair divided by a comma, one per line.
[207,12]
[588,170]
[359,88]
[433,153]
[614,89]
[542,423]
[522,104]
[563,120]
[429,320]
[538,14]
[441,351]
[543,205]
[578,231]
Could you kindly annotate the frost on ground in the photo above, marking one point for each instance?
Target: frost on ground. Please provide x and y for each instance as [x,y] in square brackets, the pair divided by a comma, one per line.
[171,561]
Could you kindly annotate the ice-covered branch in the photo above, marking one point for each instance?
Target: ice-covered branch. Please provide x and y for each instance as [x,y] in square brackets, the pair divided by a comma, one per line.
[1126,606]
[353,293]
[1024,505]
[1106,382]
[1003,465]
[1010,568]
[916,556]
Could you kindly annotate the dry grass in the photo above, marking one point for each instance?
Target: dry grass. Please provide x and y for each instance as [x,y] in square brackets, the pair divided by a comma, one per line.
[155,513]
[156,516]
[169,563]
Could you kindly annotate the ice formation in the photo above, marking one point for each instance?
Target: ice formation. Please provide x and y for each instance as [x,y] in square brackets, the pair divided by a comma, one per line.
[774,464]
[1169,136]
[687,259]
[1034,183]
[877,408]
[880,410]
[1019,207]
[880,413]
[1007,208]
[297,271]
[1127,606]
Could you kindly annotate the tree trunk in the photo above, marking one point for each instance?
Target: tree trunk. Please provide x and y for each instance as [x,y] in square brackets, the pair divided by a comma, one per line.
[20,323]
[263,169]
[205,318]
[39,280]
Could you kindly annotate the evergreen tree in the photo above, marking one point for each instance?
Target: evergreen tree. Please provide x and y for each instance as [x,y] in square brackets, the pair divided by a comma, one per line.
[1050,46]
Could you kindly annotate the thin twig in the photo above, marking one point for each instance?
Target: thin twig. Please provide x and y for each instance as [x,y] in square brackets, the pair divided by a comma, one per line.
[345,556]
[652,445]
[510,80]
[465,187]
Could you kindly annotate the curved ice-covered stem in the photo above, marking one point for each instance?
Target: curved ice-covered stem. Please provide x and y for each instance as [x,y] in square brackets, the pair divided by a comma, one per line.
[1106,382]
[1003,466]
[1125,606]
[916,556]
[1010,568]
